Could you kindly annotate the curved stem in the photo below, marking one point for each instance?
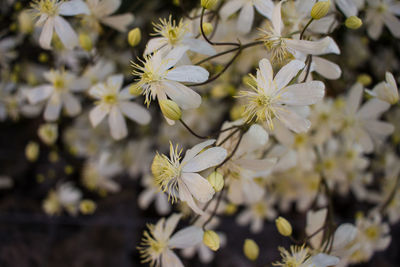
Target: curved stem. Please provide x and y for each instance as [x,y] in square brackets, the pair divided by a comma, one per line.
[191,131]
[305,28]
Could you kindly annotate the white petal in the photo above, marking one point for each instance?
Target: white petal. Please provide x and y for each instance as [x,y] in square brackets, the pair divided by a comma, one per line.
[374,26]
[303,94]
[277,18]
[71,104]
[354,98]
[170,259]
[316,220]
[118,22]
[200,46]
[287,73]
[266,73]
[186,196]
[117,124]
[244,217]
[115,81]
[145,198]
[252,140]
[135,112]
[378,128]
[393,24]
[173,56]
[373,109]
[349,8]
[292,120]
[193,74]
[38,94]
[327,68]
[264,7]
[65,32]
[185,97]
[198,186]
[324,260]
[97,114]
[73,7]
[154,44]
[53,108]
[246,17]
[323,46]
[47,34]
[191,153]
[209,158]
[187,237]
[344,234]
[171,224]
[229,8]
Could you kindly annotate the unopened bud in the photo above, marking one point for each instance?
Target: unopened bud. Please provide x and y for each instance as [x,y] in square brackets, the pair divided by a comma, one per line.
[353,22]
[364,79]
[87,206]
[283,226]
[251,249]
[85,41]
[216,180]
[211,240]
[48,133]
[207,28]
[134,37]
[230,209]
[170,109]
[208,4]
[320,9]
[32,151]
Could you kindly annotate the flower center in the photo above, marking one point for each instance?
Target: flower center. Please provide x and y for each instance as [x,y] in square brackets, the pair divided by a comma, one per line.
[49,7]
[170,30]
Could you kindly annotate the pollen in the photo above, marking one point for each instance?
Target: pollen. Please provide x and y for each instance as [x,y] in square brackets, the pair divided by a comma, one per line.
[275,44]
[48,7]
[151,247]
[171,30]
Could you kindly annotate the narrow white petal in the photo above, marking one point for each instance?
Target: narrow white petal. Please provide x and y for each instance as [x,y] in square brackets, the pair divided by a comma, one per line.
[38,94]
[53,108]
[118,22]
[277,18]
[97,114]
[354,98]
[185,97]
[393,24]
[108,7]
[373,109]
[115,81]
[326,68]
[198,186]
[71,104]
[145,198]
[292,120]
[47,34]
[344,234]
[229,8]
[171,224]
[264,7]
[323,46]
[324,260]
[266,72]
[303,94]
[200,46]
[135,112]
[174,55]
[379,129]
[349,8]
[117,124]
[186,196]
[170,259]
[287,73]
[65,32]
[246,17]
[193,74]
[73,7]
[374,26]
[191,153]
[154,44]
[186,238]
[209,158]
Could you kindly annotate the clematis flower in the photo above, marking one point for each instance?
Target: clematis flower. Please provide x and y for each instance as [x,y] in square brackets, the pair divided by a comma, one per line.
[100,12]
[181,179]
[386,91]
[115,102]
[176,36]
[159,79]
[281,47]
[58,94]
[49,12]
[272,98]
[301,257]
[382,12]
[246,15]
[158,242]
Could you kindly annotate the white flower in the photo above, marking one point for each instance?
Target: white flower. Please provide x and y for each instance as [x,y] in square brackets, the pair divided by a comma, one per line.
[49,12]
[246,15]
[181,179]
[66,196]
[382,12]
[101,10]
[58,94]
[273,98]
[281,47]
[157,242]
[158,80]
[176,36]
[300,257]
[115,103]
[386,91]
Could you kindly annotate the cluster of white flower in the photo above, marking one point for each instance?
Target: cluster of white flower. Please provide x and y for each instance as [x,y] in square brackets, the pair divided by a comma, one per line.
[274,124]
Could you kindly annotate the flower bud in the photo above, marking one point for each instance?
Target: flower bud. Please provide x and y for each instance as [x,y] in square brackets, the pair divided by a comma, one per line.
[320,9]
[32,151]
[87,206]
[230,209]
[216,180]
[250,249]
[211,240]
[207,28]
[85,41]
[208,4]
[134,37]
[135,90]
[364,79]
[353,22]
[25,22]
[283,226]
[170,109]
[48,133]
